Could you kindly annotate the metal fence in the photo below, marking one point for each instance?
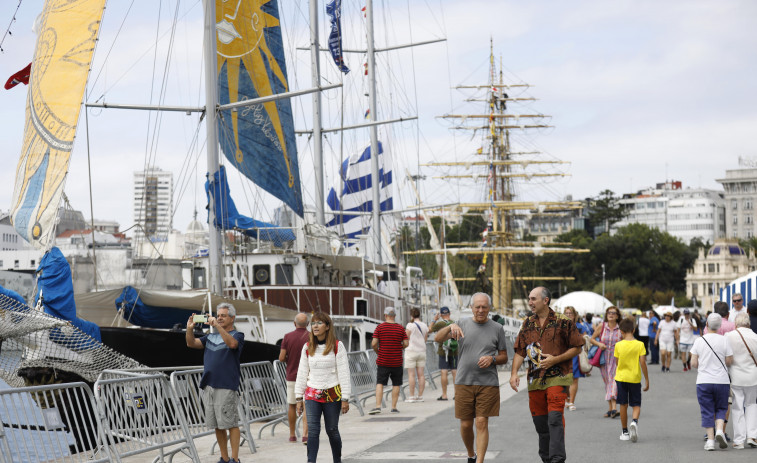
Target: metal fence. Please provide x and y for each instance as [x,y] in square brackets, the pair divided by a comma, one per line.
[141,414]
[54,422]
[362,378]
[262,396]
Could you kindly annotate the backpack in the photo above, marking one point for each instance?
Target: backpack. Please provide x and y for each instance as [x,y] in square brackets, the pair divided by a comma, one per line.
[450,345]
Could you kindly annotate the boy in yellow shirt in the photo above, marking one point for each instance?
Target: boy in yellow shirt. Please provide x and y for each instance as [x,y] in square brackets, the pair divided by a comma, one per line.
[631,362]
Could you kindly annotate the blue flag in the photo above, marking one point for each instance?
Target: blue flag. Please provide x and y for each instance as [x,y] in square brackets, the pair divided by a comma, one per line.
[334,10]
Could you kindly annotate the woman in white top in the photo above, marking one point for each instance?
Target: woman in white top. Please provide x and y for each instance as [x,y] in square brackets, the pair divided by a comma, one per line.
[743,383]
[667,336]
[323,383]
[415,355]
[686,327]
[710,355]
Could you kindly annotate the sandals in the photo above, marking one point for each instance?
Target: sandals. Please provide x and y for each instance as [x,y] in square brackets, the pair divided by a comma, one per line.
[572,407]
[608,414]
[442,398]
[614,414]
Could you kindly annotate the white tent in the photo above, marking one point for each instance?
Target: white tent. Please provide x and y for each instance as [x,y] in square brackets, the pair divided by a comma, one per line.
[583,301]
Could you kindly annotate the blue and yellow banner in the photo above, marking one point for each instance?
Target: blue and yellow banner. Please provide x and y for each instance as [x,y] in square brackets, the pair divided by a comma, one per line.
[258,139]
[67,36]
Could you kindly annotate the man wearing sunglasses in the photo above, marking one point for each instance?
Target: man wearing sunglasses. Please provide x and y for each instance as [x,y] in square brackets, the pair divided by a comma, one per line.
[738,306]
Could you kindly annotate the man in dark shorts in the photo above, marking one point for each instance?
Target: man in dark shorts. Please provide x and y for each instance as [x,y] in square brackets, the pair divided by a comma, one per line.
[447,356]
[550,341]
[291,349]
[481,347]
[220,380]
[389,339]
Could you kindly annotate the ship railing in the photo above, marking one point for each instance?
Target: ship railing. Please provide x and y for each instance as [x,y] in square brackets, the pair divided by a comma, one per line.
[52,422]
[362,378]
[264,399]
[141,414]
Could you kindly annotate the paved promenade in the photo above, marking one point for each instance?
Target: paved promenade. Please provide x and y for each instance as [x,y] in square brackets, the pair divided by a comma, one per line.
[669,431]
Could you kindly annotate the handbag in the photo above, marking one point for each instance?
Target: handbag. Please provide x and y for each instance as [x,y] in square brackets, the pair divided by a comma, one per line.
[598,359]
[747,347]
[583,362]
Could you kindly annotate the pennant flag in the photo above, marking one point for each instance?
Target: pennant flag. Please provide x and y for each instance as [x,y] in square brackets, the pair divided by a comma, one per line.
[367,113]
[334,10]
[357,193]
[21,77]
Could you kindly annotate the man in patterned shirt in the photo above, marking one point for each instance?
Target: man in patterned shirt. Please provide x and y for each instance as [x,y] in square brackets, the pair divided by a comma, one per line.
[389,339]
[549,341]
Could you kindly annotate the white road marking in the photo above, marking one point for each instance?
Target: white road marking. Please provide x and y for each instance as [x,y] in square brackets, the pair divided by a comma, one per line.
[412,455]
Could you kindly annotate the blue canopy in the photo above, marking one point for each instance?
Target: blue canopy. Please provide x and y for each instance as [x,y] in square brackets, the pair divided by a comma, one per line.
[227,216]
[138,313]
[57,289]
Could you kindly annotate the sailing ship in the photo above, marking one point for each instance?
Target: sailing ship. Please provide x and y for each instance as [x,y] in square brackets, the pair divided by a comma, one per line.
[502,165]
[270,271]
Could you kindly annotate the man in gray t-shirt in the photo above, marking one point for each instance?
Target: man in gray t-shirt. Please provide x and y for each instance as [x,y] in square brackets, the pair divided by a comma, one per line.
[481,346]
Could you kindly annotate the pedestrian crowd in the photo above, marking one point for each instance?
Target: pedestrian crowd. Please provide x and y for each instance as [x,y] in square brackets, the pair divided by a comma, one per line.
[557,349]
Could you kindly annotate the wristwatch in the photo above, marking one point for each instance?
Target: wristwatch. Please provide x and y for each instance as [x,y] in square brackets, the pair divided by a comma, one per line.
[494,359]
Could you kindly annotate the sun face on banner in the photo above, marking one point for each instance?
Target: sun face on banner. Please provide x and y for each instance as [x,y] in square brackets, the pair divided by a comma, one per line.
[240,26]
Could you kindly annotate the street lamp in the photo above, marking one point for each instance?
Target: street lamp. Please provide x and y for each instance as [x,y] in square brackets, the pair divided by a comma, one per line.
[603,281]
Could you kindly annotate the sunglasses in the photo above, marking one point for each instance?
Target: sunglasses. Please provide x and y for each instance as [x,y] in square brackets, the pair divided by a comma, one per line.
[738,300]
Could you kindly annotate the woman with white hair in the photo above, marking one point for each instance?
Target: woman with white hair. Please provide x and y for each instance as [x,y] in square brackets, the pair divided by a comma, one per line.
[710,355]
[743,370]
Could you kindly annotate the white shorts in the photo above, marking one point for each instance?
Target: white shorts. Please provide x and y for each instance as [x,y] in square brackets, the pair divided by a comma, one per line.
[415,359]
[684,347]
[290,393]
[667,346]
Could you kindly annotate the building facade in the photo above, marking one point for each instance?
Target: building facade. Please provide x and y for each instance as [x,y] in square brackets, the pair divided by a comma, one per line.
[740,186]
[153,204]
[683,213]
[724,262]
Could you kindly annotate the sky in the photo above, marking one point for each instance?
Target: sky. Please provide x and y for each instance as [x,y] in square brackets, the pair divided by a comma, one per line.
[637,93]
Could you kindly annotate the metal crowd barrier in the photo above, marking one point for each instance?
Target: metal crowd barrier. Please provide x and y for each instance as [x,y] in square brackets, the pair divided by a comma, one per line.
[372,356]
[141,414]
[431,360]
[280,368]
[263,397]
[53,422]
[362,378]
[186,387]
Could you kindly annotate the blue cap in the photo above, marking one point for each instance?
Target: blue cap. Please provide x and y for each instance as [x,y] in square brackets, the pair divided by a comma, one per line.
[444,311]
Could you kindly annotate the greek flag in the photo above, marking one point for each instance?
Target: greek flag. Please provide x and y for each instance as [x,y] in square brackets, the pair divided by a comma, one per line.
[357,194]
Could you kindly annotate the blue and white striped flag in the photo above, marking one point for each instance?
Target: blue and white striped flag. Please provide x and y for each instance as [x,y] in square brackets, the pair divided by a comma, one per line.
[357,195]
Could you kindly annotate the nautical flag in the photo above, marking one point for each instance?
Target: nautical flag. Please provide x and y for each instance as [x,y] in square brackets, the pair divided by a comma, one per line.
[367,113]
[357,195]
[259,139]
[334,10]
[21,77]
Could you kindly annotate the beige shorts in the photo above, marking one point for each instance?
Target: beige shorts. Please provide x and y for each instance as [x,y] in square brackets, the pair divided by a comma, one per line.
[475,401]
[221,408]
[290,393]
[415,359]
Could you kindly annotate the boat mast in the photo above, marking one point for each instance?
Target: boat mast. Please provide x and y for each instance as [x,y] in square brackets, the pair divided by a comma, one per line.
[376,221]
[315,66]
[215,277]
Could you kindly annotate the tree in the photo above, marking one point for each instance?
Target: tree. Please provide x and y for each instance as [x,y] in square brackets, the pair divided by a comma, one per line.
[604,210]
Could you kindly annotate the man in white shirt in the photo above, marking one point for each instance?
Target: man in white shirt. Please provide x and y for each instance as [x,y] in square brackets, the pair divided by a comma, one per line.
[738,306]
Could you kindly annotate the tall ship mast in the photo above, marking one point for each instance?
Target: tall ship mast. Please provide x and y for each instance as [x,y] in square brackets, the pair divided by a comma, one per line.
[503,166]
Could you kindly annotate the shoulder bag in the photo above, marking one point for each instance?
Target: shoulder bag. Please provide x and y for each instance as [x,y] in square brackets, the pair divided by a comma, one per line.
[583,362]
[747,347]
[718,357]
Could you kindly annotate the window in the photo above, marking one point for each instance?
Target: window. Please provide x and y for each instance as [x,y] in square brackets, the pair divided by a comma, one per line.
[735,220]
[734,204]
[711,268]
[747,204]
[735,269]
[284,274]
[747,219]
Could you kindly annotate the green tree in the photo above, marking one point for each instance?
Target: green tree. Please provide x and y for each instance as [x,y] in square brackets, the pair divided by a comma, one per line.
[604,210]
[638,297]
[614,289]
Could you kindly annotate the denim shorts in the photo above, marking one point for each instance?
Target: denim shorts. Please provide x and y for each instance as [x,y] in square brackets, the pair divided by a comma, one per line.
[629,393]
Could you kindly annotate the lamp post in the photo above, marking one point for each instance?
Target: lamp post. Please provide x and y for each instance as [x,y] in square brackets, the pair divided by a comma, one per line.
[603,281]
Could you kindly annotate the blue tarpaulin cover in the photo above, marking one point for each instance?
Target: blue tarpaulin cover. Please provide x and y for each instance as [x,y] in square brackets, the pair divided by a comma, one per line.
[138,313]
[227,216]
[13,295]
[57,288]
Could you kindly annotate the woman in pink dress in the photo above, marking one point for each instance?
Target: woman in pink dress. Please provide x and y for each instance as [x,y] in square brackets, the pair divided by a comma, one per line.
[605,336]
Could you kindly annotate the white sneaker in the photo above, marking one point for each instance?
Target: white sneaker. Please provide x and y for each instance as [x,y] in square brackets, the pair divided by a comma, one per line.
[738,446]
[720,437]
[419,398]
[625,436]
[633,429]
[709,445]
[410,400]
[751,442]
